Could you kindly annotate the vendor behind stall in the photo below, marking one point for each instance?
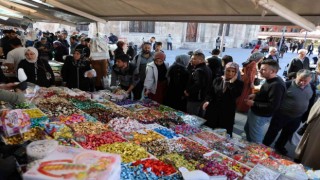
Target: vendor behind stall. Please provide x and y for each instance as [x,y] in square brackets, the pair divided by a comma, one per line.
[125,73]
[77,72]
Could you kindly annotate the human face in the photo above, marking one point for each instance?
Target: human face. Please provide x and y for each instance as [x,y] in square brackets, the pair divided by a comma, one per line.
[196,60]
[302,55]
[43,41]
[146,48]
[30,55]
[302,82]
[158,61]
[273,52]
[158,48]
[76,55]
[120,64]
[266,71]
[230,73]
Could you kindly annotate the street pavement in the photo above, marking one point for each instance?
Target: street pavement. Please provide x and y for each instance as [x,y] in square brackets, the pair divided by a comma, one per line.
[239,56]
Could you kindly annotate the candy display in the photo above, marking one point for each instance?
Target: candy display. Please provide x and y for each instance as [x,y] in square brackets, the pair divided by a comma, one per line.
[157,167]
[138,131]
[149,135]
[129,152]
[261,172]
[125,125]
[166,132]
[186,129]
[179,161]
[92,141]
[193,146]
[214,168]
[193,120]
[89,128]
[33,134]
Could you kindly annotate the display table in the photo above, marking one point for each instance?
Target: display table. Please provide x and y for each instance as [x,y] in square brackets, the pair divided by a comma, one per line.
[153,140]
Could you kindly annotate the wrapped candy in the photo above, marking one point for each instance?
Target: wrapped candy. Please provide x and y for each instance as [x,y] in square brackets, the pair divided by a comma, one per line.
[157,167]
[186,129]
[129,152]
[33,134]
[89,127]
[193,120]
[125,125]
[149,136]
[193,146]
[101,114]
[179,161]
[166,132]
[92,141]
[73,118]
[214,168]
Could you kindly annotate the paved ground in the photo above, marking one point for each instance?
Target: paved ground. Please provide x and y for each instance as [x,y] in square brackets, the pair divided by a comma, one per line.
[239,55]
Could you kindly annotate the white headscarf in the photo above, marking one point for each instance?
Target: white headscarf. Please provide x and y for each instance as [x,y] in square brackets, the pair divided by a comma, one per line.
[35,51]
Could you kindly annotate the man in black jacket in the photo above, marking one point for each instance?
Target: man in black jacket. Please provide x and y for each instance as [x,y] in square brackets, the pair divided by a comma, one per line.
[125,73]
[198,85]
[265,103]
[215,64]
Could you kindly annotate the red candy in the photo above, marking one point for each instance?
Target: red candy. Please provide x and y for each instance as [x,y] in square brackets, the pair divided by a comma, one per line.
[94,141]
[158,167]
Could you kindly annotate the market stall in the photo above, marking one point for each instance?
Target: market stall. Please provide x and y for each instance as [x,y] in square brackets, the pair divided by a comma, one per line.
[86,134]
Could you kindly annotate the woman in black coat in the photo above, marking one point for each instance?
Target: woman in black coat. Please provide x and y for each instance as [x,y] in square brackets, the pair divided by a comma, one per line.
[37,71]
[77,73]
[220,103]
[178,76]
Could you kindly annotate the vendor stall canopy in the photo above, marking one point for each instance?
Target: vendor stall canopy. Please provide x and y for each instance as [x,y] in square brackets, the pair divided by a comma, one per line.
[304,13]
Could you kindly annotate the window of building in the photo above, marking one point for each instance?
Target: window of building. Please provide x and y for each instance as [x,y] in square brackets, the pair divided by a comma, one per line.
[82,27]
[221,29]
[142,26]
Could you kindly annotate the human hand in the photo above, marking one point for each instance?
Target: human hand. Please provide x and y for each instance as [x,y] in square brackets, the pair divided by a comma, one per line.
[146,93]
[251,96]
[249,102]
[205,105]
[186,93]
[90,74]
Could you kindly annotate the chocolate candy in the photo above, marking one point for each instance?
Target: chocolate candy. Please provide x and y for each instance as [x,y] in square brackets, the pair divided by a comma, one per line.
[149,136]
[89,128]
[179,161]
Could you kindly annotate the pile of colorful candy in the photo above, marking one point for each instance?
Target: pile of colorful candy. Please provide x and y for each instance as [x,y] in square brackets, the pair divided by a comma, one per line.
[92,141]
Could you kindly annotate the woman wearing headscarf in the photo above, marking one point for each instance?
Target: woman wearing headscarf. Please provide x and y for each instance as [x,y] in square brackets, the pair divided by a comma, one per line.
[220,102]
[178,76]
[249,74]
[59,51]
[77,72]
[37,71]
[156,82]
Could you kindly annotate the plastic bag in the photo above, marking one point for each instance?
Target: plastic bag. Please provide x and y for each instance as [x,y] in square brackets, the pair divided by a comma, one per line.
[105,82]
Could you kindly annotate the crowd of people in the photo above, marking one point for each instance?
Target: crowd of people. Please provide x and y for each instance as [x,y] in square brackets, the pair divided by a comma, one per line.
[214,88]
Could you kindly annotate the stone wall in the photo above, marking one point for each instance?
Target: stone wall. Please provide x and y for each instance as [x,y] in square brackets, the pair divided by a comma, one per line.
[206,33]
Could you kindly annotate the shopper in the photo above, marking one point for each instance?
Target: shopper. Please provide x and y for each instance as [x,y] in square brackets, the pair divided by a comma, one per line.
[178,76]
[265,103]
[38,71]
[220,102]
[77,72]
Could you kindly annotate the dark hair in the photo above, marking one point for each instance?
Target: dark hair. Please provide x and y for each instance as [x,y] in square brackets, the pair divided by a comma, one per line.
[226,59]
[146,43]
[272,63]
[199,54]
[123,58]
[74,37]
[87,39]
[120,44]
[15,42]
[215,52]
[158,43]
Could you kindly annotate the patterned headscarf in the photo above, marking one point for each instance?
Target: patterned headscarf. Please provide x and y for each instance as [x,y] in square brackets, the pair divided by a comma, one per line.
[232,65]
